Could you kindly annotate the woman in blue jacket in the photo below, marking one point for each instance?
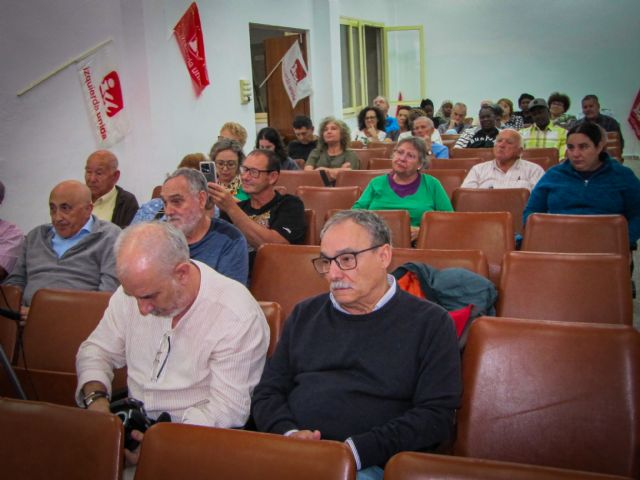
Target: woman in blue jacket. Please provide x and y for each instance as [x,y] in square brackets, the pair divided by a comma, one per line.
[588,182]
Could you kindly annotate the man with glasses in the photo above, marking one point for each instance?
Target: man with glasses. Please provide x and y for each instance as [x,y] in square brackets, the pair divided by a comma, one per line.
[366,363]
[267,216]
[193,341]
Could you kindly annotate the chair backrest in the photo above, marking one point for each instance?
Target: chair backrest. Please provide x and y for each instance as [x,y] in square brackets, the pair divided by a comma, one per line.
[58,322]
[399,223]
[359,178]
[388,147]
[173,450]
[492,200]
[450,136]
[356,144]
[457,163]
[428,466]
[545,162]
[474,260]
[559,394]
[450,178]
[366,154]
[310,233]
[292,179]
[484,153]
[10,299]
[551,152]
[491,232]
[41,440]
[273,313]
[572,287]
[380,164]
[449,144]
[323,199]
[576,234]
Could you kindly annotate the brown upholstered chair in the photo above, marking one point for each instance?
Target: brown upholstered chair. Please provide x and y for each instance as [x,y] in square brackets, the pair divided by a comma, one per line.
[484,153]
[450,178]
[545,162]
[491,232]
[572,287]
[388,147]
[366,154]
[58,322]
[310,234]
[449,144]
[557,394]
[10,299]
[380,164]
[273,313]
[292,179]
[41,440]
[427,466]
[576,234]
[458,163]
[398,221]
[359,178]
[493,200]
[450,136]
[551,152]
[356,144]
[323,199]
[474,260]
[171,451]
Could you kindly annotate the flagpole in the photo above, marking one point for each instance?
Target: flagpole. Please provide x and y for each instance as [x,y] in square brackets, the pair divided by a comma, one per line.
[63,66]
[271,72]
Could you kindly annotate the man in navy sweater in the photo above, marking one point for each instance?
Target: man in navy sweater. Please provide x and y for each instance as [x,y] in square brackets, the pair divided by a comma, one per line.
[366,363]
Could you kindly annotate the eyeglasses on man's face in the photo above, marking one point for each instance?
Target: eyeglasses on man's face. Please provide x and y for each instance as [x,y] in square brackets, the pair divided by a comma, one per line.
[345,261]
[253,172]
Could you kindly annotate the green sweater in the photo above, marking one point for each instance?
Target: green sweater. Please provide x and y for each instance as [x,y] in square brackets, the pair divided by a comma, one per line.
[430,196]
[319,158]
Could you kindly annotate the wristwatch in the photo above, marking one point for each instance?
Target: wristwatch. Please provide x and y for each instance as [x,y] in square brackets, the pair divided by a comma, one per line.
[93,396]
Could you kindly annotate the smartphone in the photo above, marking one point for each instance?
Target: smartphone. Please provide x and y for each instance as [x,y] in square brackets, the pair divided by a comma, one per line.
[209,171]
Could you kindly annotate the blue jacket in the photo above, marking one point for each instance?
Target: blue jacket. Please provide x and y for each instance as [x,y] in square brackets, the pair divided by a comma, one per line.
[614,189]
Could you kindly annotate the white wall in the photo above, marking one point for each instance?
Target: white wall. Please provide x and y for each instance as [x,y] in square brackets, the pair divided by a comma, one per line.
[494,48]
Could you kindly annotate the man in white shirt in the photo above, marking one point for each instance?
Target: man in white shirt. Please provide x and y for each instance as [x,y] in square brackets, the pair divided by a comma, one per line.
[508,170]
[194,341]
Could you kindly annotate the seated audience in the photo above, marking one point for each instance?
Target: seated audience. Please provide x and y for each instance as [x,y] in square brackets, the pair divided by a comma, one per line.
[456,123]
[267,216]
[370,125]
[305,140]
[402,116]
[405,188]
[413,115]
[269,139]
[193,341]
[228,156]
[591,111]
[508,170]
[559,104]
[485,134]
[590,182]
[332,153]
[422,127]
[444,112]
[233,131]
[542,133]
[366,363]
[11,240]
[523,103]
[74,252]
[110,202]
[508,118]
[212,241]
[391,123]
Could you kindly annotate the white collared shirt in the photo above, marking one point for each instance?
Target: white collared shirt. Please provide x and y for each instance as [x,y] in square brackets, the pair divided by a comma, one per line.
[522,174]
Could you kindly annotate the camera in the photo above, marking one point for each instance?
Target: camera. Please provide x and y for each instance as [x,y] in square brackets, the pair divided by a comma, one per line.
[134,417]
[209,171]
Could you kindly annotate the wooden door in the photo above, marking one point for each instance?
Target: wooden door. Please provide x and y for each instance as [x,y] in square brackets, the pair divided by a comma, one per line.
[281,114]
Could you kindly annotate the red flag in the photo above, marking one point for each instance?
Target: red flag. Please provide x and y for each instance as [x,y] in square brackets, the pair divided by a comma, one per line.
[188,32]
[399,100]
[634,115]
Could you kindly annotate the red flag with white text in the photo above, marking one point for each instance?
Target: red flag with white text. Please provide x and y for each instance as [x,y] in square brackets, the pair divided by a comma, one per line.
[634,116]
[188,32]
[295,75]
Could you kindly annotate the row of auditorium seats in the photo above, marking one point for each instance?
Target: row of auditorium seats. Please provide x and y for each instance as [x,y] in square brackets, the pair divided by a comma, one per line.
[541,400]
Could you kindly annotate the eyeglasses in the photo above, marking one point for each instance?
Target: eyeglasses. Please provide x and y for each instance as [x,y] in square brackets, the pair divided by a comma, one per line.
[406,153]
[345,261]
[253,172]
[163,351]
[228,164]
[371,118]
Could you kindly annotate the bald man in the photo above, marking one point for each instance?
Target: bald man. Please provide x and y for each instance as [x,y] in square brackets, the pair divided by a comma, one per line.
[110,202]
[194,341]
[74,251]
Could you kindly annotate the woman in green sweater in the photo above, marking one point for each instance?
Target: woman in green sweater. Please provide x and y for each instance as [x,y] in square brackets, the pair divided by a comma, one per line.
[405,188]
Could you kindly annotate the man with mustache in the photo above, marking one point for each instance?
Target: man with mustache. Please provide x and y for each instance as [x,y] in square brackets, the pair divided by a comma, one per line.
[74,252]
[367,364]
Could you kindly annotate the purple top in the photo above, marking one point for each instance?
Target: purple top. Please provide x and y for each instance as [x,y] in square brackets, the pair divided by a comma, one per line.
[404,190]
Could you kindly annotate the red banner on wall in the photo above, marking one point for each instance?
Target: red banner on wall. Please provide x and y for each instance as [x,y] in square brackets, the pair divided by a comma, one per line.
[634,116]
[188,32]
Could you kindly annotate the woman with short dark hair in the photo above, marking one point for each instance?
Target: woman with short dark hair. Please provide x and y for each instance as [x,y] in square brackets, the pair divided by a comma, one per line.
[559,104]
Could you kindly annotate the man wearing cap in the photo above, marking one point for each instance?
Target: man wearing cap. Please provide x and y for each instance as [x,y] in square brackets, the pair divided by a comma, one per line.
[542,133]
